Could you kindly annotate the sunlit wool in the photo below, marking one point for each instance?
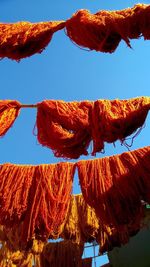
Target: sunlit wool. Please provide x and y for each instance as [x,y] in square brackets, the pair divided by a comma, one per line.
[69,127]
[10,258]
[114,120]
[82,224]
[64,127]
[38,196]
[9,111]
[104,30]
[114,186]
[23,39]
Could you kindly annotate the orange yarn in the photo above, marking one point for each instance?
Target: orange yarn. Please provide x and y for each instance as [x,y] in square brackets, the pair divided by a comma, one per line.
[104,30]
[114,186]
[9,110]
[37,196]
[64,127]
[48,200]
[68,128]
[116,119]
[23,39]
[15,183]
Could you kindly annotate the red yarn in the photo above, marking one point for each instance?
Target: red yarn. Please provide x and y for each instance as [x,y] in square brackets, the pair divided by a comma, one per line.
[36,196]
[114,186]
[64,127]
[104,30]
[48,200]
[116,119]
[9,111]
[23,39]
[68,127]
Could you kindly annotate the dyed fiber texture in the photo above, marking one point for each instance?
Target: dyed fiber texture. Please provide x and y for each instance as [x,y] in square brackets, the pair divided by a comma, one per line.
[81,224]
[10,258]
[36,196]
[114,186]
[23,39]
[69,127]
[9,111]
[62,254]
[116,119]
[104,30]
[64,127]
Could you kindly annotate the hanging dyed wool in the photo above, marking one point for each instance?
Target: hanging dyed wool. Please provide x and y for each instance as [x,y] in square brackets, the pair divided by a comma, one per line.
[23,39]
[114,186]
[9,111]
[68,127]
[116,119]
[109,237]
[64,127]
[104,30]
[35,196]
[82,224]
[10,258]
[15,183]
[48,200]
[62,254]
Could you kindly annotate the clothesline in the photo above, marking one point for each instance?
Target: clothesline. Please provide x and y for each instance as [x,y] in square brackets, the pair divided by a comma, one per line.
[68,128]
[102,31]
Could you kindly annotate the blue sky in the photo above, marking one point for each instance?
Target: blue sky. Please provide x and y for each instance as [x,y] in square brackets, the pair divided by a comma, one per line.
[64,71]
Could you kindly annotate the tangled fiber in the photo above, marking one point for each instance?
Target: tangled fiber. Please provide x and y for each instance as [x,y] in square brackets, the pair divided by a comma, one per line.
[104,30]
[9,111]
[114,186]
[10,258]
[37,196]
[116,119]
[68,127]
[62,254]
[82,224]
[64,127]
[23,39]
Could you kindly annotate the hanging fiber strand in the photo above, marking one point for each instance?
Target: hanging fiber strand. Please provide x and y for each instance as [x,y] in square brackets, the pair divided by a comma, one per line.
[104,30]
[9,111]
[62,254]
[10,258]
[114,120]
[36,196]
[82,224]
[69,127]
[48,200]
[15,183]
[23,39]
[64,127]
[114,186]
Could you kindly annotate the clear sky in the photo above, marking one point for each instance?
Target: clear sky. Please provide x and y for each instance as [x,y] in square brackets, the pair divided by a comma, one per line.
[64,71]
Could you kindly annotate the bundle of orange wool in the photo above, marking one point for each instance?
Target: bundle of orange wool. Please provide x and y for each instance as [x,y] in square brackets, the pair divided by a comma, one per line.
[82,226]
[114,186]
[104,30]
[9,111]
[69,127]
[36,196]
[23,39]
[101,31]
